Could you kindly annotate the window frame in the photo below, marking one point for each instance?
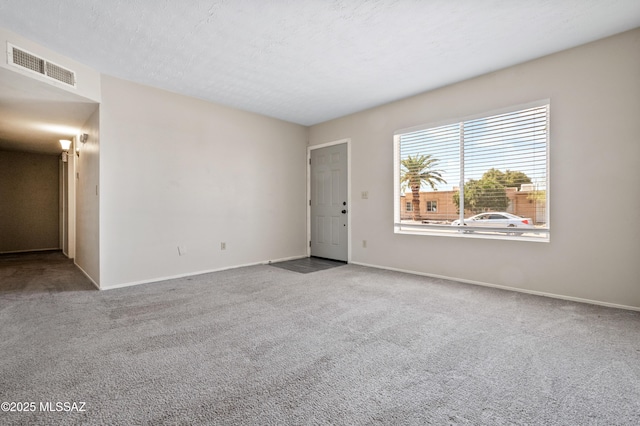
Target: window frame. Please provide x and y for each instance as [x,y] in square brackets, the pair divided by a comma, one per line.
[542,234]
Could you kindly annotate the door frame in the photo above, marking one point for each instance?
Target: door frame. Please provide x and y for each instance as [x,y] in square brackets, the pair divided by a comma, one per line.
[67,197]
[324,145]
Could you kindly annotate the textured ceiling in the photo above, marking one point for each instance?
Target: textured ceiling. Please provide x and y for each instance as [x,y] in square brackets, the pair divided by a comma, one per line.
[308,61]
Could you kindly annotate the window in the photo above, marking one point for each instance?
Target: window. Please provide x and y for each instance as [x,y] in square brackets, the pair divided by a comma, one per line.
[409,206]
[463,169]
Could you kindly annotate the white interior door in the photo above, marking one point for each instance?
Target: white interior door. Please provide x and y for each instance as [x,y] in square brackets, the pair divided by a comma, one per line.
[329,209]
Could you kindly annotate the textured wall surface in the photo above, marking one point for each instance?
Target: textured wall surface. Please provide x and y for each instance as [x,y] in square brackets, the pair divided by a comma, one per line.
[88,201]
[29,202]
[178,171]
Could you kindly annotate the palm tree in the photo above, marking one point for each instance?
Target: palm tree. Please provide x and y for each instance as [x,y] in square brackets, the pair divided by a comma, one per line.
[416,171]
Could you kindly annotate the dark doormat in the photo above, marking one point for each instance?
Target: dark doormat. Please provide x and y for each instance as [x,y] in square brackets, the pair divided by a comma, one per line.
[308,264]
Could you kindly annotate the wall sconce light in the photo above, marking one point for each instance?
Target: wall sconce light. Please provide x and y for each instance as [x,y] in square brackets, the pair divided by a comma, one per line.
[65,144]
[82,137]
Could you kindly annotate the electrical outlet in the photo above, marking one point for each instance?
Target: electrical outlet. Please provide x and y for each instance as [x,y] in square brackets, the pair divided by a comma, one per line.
[365,195]
[223,246]
[364,243]
[182,250]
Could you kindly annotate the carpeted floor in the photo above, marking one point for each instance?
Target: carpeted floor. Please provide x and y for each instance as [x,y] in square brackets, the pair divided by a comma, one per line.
[350,345]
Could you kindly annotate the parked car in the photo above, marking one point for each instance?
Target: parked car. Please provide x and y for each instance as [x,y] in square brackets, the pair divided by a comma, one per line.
[497,220]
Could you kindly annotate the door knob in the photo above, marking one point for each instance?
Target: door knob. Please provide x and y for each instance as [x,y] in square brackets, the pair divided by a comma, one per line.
[344,212]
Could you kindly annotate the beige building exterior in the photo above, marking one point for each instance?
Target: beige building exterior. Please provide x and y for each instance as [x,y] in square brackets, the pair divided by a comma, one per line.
[438,206]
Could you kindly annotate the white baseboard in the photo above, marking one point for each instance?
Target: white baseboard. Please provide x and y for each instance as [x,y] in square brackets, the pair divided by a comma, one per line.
[503,287]
[284,259]
[462,280]
[30,250]
[190,274]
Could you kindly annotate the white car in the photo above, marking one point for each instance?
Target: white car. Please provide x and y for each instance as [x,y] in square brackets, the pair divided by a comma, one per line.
[497,220]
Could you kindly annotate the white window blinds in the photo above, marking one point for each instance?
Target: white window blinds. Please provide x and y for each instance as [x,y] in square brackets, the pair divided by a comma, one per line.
[496,163]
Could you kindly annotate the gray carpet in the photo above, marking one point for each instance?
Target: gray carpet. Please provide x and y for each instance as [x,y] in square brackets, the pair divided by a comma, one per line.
[349,345]
[308,264]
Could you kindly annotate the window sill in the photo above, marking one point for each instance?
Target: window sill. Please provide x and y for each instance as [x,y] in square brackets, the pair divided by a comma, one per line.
[540,235]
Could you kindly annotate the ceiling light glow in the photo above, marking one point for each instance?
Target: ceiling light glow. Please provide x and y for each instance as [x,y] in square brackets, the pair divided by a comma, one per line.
[58,129]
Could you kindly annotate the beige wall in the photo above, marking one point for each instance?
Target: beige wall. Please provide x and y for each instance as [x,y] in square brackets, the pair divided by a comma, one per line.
[29,201]
[595,104]
[87,225]
[178,171]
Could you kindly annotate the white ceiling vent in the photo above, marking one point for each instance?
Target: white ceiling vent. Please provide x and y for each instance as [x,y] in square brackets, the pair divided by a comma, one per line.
[23,59]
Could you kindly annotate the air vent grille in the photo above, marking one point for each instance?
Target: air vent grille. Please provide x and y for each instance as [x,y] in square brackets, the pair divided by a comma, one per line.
[28,60]
[61,74]
[24,59]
